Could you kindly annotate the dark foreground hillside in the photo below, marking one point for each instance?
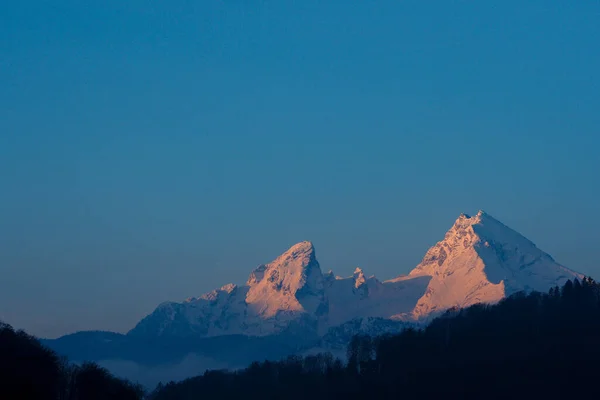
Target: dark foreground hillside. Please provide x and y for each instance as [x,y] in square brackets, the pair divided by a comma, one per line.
[30,371]
[535,346]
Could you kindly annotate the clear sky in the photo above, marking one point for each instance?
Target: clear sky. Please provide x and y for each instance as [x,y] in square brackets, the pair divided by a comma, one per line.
[155,150]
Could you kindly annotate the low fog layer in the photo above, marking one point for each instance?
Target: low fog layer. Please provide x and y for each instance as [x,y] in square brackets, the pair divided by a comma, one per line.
[150,376]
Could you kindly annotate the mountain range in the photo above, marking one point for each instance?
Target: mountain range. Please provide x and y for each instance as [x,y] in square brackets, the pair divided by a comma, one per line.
[290,305]
[479,260]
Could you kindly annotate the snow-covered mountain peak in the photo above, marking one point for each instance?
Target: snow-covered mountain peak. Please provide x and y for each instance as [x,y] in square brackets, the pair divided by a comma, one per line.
[481,234]
[465,220]
[302,249]
[296,263]
[482,260]
[291,283]
[482,227]
[299,256]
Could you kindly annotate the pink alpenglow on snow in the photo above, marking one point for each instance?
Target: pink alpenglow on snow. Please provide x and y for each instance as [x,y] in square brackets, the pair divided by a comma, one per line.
[480,260]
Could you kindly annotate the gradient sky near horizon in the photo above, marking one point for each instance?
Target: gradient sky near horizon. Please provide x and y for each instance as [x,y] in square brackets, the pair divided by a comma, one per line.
[155,150]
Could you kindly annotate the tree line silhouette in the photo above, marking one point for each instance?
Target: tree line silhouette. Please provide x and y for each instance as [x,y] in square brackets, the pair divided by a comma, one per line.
[527,346]
[30,371]
[530,346]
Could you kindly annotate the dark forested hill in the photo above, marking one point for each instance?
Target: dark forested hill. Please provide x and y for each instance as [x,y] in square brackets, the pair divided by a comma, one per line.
[527,346]
[30,371]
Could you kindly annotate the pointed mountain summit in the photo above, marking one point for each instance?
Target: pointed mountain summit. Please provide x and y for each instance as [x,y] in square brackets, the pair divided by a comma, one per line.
[275,294]
[482,260]
[291,283]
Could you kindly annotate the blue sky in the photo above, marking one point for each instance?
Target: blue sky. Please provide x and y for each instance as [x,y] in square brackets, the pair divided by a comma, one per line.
[154,150]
